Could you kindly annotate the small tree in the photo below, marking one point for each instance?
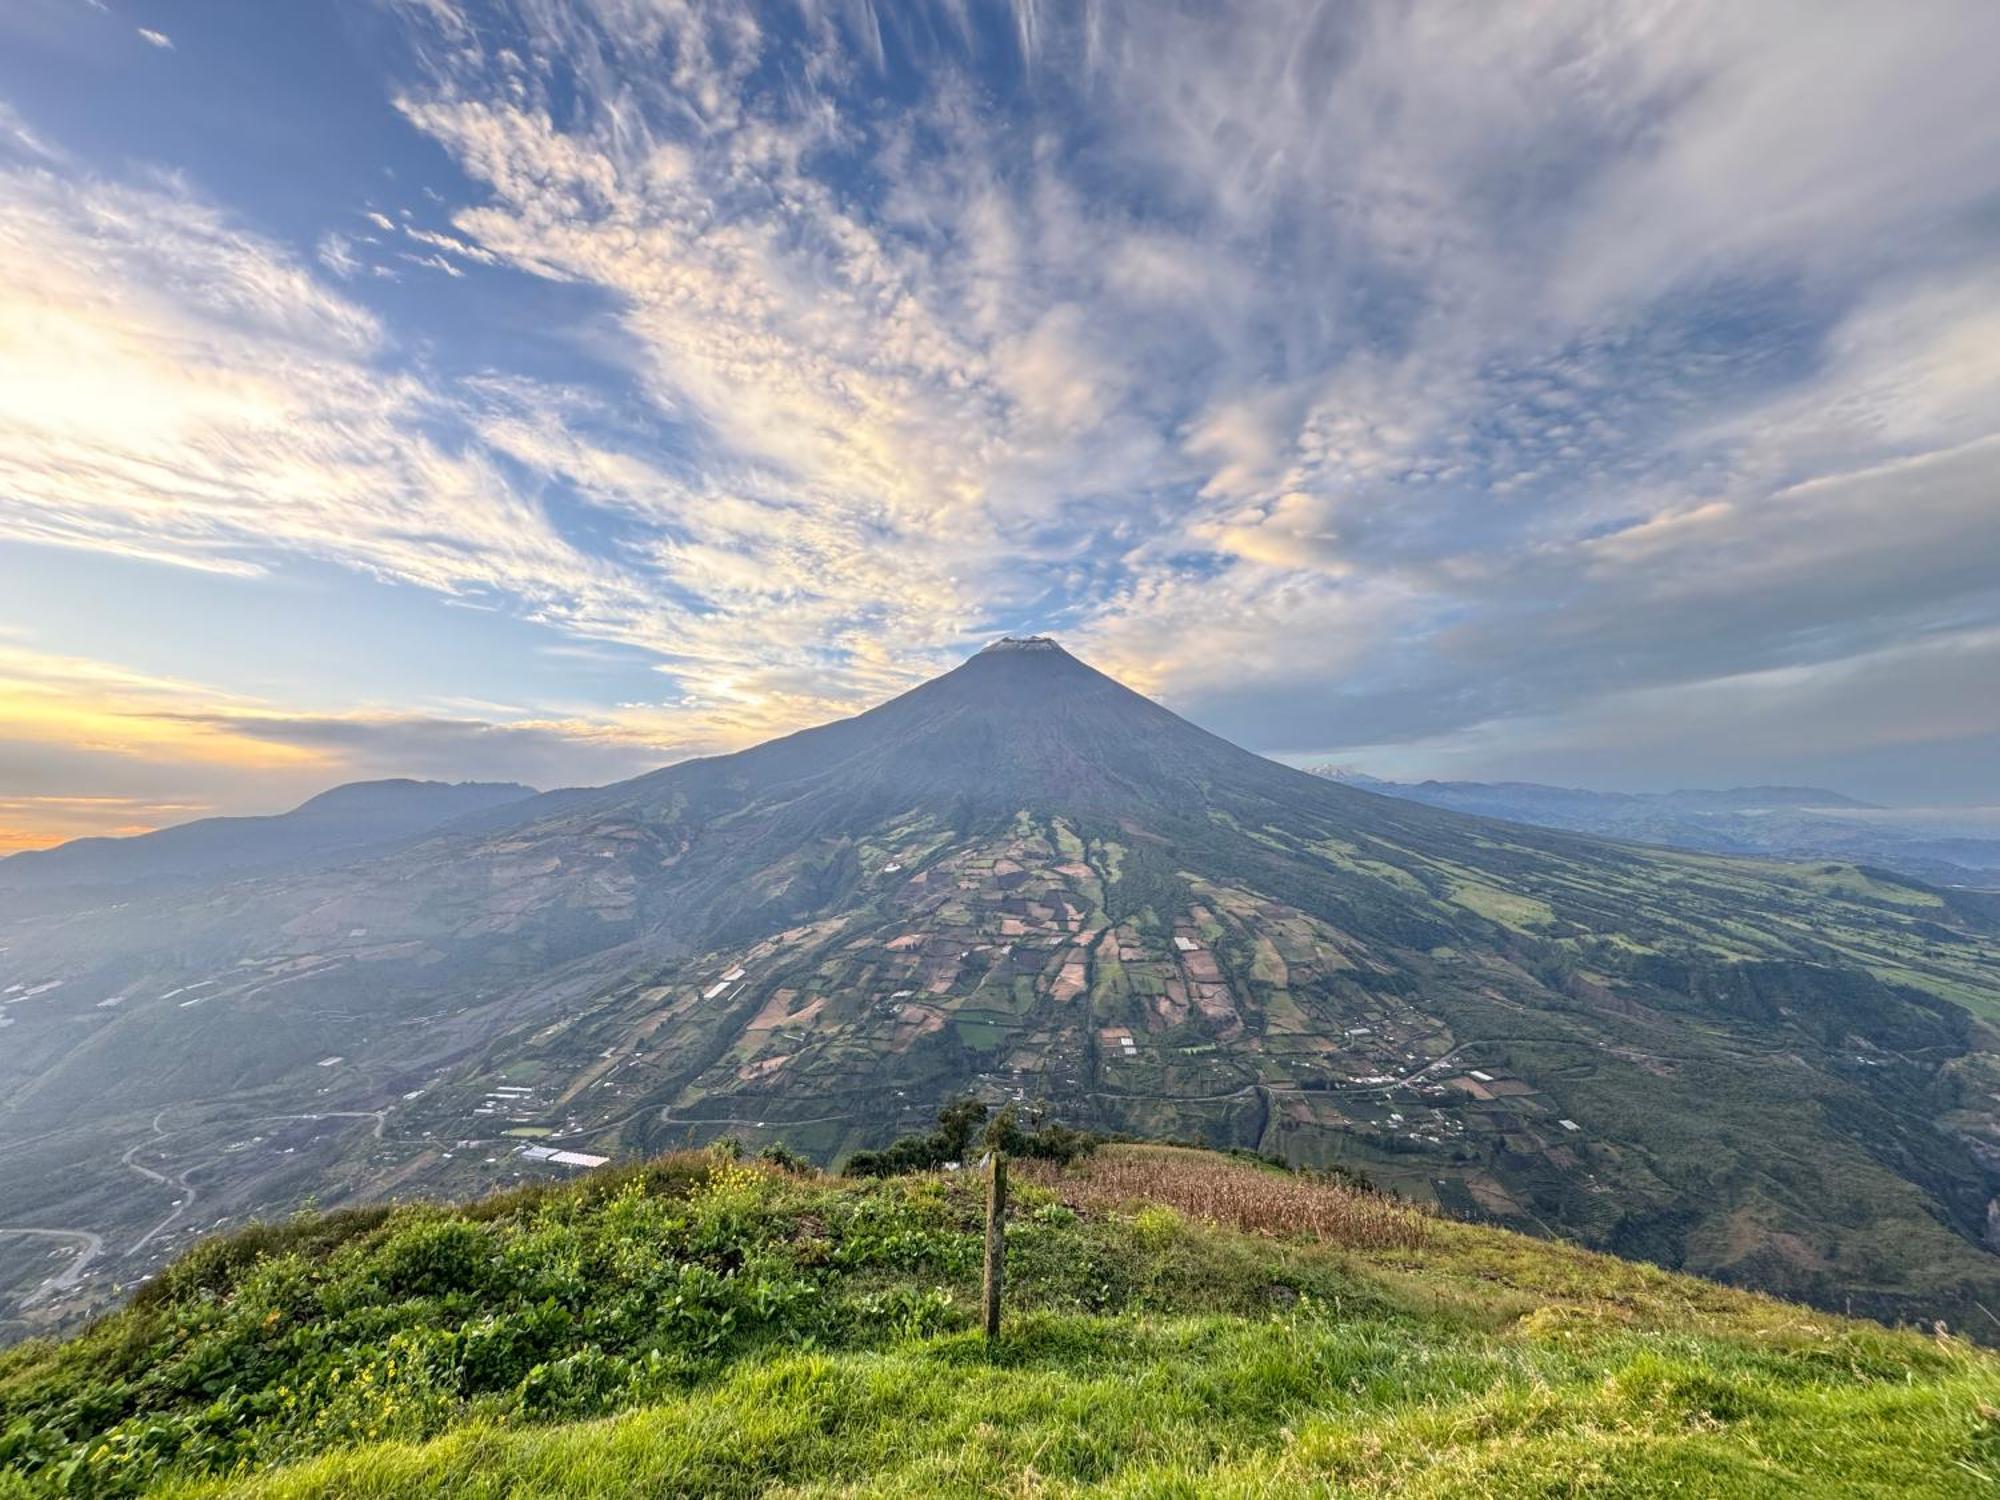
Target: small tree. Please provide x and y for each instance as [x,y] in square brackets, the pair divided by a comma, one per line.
[958,1128]
[958,1121]
[1004,1133]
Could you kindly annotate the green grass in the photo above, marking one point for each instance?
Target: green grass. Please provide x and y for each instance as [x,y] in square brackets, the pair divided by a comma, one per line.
[696,1327]
[1524,913]
[980,1036]
[1217,1407]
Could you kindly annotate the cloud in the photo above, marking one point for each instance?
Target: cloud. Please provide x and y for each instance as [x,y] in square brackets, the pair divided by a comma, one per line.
[91,747]
[336,253]
[157,38]
[38,822]
[1348,375]
[451,244]
[178,389]
[1906,722]
[1841,566]
[17,139]
[433,263]
[83,742]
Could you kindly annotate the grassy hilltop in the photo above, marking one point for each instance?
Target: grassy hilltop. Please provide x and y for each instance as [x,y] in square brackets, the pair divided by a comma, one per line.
[1179,1323]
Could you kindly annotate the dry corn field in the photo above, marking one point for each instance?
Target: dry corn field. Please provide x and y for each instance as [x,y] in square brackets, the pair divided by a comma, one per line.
[1234,1195]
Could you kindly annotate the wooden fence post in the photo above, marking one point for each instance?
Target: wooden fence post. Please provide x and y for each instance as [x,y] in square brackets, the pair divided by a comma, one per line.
[996,1240]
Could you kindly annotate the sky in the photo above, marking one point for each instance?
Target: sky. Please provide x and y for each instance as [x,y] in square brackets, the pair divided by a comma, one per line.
[1597,393]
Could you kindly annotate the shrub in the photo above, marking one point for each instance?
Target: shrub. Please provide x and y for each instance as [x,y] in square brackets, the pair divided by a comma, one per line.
[952,1141]
[778,1155]
[433,1258]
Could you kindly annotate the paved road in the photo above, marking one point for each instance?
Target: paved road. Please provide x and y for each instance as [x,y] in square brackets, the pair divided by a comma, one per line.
[187,1193]
[180,1179]
[71,1274]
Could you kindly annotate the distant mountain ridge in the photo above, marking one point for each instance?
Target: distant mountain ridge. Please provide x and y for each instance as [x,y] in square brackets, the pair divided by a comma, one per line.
[1788,822]
[345,819]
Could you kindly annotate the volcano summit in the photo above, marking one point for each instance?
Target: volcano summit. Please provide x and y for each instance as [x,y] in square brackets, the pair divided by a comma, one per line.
[1026,881]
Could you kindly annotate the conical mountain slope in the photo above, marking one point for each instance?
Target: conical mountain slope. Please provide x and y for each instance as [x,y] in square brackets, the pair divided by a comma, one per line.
[1023,723]
[1023,880]
[1023,726]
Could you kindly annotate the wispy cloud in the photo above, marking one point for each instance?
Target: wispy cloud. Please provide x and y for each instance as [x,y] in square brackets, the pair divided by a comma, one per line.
[89,747]
[177,388]
[157,38]
[38,822]
[450,244]
[74,704]
[1864,711]
[336,253]
[1251,367]
[1349,375]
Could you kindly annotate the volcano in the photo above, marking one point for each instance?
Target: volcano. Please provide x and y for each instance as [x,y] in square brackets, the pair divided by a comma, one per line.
[1021,724]
[1024,881]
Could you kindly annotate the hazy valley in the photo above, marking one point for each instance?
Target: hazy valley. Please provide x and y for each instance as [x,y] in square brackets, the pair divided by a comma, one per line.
[1782,822]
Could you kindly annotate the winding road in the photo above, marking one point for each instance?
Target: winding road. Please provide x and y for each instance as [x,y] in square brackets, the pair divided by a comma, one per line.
[71,1274]
[180,1179]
